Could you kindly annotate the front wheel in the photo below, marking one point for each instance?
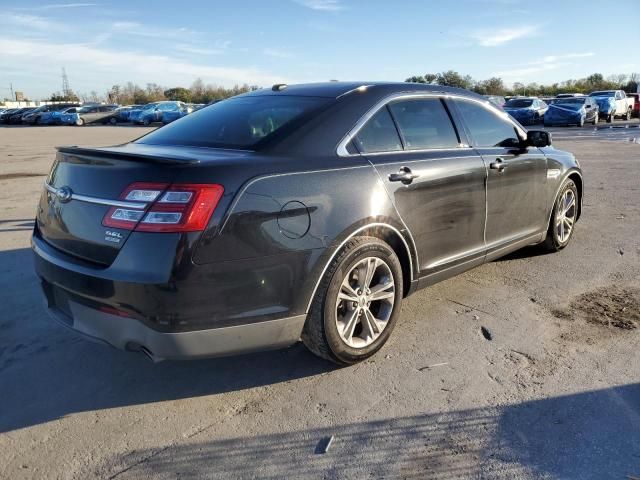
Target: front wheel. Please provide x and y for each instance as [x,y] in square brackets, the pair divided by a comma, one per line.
[563,217]
[596,118]
[146,122]
[113,120]
[80,122]
[628,115]
[581,123]
[356,304]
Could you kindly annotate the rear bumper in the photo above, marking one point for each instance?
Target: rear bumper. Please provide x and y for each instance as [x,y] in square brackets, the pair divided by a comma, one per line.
[130,334]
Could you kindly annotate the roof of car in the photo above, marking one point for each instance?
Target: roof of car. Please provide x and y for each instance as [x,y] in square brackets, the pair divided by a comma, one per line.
[336,89]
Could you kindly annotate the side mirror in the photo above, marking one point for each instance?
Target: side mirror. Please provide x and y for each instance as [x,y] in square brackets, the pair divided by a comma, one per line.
[538,138]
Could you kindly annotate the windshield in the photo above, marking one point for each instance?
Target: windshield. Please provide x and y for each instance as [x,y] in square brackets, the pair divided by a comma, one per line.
[518,103]
[570,101]
[84,109]
[239,122]
[149,106]
[608,93]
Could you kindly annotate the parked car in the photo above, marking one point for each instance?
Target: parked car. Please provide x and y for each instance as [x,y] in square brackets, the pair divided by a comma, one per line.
[636,104]
[95,114]
[497,100]
[260,238]
[16,117]
[572,111]
[55,117]
[153,112]
[124,112]
[172,115]
[613,103]
[527,110]
[42,114]
[4,116]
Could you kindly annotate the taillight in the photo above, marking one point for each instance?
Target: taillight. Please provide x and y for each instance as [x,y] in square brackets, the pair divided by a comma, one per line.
[180,207]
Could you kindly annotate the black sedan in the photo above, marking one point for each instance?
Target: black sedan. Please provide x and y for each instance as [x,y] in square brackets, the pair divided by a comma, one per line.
[15,118]
[4,116]
[302,211]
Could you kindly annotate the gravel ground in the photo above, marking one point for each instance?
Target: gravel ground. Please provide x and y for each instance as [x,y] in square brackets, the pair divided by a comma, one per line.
[524,368]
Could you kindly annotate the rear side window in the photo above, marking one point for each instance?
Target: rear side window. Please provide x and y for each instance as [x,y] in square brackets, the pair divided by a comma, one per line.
[379,134]
[486,128]
[240,122]
[424,124]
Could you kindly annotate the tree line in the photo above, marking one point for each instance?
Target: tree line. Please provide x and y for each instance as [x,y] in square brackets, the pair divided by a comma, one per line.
[496,86]
[132,94]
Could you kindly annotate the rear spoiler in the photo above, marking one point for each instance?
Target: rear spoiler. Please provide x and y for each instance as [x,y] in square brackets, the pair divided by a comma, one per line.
[116,152]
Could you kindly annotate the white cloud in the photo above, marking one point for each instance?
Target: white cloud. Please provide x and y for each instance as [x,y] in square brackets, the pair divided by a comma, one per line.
[140,30]
[12,20]
[56,6]
[550,62]
[502,36]
[190,49]
[117,66]
[565,56]
[323,5]
[277,53]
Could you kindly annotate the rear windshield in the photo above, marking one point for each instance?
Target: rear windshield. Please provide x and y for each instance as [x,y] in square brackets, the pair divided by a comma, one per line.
[602,94]
[519,103]
[240,122]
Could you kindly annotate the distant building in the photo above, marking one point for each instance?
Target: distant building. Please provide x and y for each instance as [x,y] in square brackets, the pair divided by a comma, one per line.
[19,96]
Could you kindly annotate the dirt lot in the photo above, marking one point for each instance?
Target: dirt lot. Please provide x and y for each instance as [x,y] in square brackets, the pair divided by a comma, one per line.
[527,367]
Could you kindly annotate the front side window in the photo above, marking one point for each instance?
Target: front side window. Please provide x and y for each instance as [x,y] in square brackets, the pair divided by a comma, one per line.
[379,134]
[424,124]
[486,128]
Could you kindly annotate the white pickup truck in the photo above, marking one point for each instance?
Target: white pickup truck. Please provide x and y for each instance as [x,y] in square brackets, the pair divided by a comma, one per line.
[613,103]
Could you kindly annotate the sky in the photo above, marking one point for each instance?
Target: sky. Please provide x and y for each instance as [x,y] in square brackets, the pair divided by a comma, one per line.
[101,43]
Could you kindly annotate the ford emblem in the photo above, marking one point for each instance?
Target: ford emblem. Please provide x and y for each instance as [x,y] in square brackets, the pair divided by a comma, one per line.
[64,194]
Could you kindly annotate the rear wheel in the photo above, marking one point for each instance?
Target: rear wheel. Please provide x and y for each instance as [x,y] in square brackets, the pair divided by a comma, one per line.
[596,118]
[80,122]
[113,120]
[563,218]
[610,118]
[356,304]
[581,122]
[628,115]
[146,122]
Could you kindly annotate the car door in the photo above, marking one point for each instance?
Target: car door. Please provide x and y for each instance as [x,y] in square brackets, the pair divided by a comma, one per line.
[91,115]
[516,180]
[590,107]
[435,183]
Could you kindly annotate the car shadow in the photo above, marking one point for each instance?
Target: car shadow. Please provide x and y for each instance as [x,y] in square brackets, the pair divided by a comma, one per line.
[591,435]
[48,372]
[526,252]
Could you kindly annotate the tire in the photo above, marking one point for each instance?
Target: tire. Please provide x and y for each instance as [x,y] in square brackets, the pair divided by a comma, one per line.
[321,333]
[80,122]
[557,237]
[610,118]
[596,118]
[627,117]
[113,120]
[581,123]
[146,122]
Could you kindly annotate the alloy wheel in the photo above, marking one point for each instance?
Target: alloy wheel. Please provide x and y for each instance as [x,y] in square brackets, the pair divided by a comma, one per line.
[365,302]
[566,215]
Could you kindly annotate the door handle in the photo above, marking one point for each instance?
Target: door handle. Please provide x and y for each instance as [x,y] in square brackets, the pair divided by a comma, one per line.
[404,175]
[499,165]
